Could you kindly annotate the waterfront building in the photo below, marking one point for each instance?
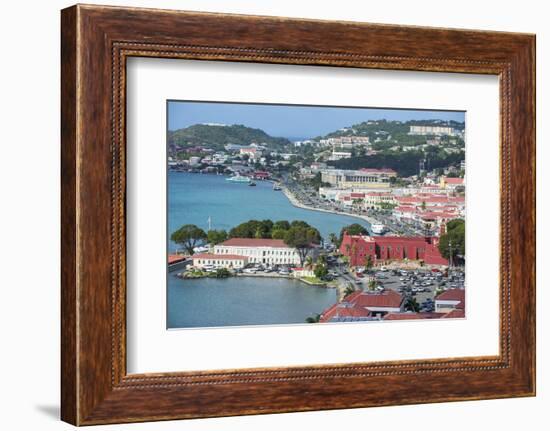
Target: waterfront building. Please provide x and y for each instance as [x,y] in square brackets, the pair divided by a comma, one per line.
[260,250]
[432,130]
[364,178]
[452,299]
[384,248]
[376,200]
[260,175]
[219,260]
[194,160]
[364,306]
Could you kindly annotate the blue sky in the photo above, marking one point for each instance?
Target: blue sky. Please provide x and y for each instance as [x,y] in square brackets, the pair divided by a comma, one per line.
[290,121]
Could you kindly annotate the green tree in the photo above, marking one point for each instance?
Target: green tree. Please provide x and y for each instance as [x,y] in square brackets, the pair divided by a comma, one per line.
[353,229]
[216,236]
[411,304]
[368,262]
[278,233]
[302,238]
[320,271]
[454,241]
[222,273]
[387,206]
[252,229]
[281,224]
[333,238]
[189,236]
[348,291]
[313,319]
[372,285]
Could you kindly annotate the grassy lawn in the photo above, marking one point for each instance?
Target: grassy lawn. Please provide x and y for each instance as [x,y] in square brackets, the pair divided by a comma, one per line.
[313,280]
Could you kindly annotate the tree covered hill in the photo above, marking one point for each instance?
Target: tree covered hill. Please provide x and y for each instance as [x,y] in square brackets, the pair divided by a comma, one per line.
[217,136]
[397,129]
[404,163]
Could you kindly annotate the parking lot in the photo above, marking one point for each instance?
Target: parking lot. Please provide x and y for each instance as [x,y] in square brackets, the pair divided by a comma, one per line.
[420,284]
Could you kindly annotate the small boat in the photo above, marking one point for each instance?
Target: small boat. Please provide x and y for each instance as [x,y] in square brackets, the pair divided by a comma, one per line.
[378,228]
[252,183]
[276,187]
[238,178]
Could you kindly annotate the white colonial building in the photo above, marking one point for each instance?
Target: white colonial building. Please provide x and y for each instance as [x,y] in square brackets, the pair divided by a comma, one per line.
[259,250]
[219,261]
[432,130]
[378,199]
[367,178]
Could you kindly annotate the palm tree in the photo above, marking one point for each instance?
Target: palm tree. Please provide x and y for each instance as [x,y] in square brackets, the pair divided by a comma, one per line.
[412,305]
[372,285]
[348,291]
[368,263]
[333,238]
[309,262]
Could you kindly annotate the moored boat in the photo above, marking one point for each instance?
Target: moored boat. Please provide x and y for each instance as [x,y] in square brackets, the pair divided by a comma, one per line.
[238,178]
[378,228]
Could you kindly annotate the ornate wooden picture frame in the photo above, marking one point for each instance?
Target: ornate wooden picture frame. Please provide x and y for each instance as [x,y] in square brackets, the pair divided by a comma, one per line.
[96,41]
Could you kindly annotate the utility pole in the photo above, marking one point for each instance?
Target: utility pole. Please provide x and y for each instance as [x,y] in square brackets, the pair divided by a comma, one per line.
[450,254]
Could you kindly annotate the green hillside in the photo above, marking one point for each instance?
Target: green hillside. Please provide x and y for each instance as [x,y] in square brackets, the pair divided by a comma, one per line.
[397,129]
[216,137]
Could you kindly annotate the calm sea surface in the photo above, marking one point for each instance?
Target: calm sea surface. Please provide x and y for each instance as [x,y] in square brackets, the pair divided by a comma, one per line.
[193,198]
[237,301]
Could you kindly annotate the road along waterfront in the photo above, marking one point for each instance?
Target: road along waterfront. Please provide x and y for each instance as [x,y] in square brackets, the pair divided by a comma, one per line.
[296,202]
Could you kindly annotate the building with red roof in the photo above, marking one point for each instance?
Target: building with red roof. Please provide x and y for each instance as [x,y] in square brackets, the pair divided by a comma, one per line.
[261,175]
[449,300]
[362,305]
[410,315]
[454,314]
[260,250]
[451,183]
[384,248]
[219,260]
[176,258]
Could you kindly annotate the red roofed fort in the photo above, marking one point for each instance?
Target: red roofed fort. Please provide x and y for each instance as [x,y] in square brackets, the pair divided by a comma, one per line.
[383,248]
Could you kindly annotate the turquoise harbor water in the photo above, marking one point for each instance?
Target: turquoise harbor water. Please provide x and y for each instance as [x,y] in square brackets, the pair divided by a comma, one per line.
[193,198]
[240,301]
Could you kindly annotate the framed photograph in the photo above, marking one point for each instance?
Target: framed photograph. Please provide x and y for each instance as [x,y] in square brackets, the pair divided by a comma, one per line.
[263,214]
